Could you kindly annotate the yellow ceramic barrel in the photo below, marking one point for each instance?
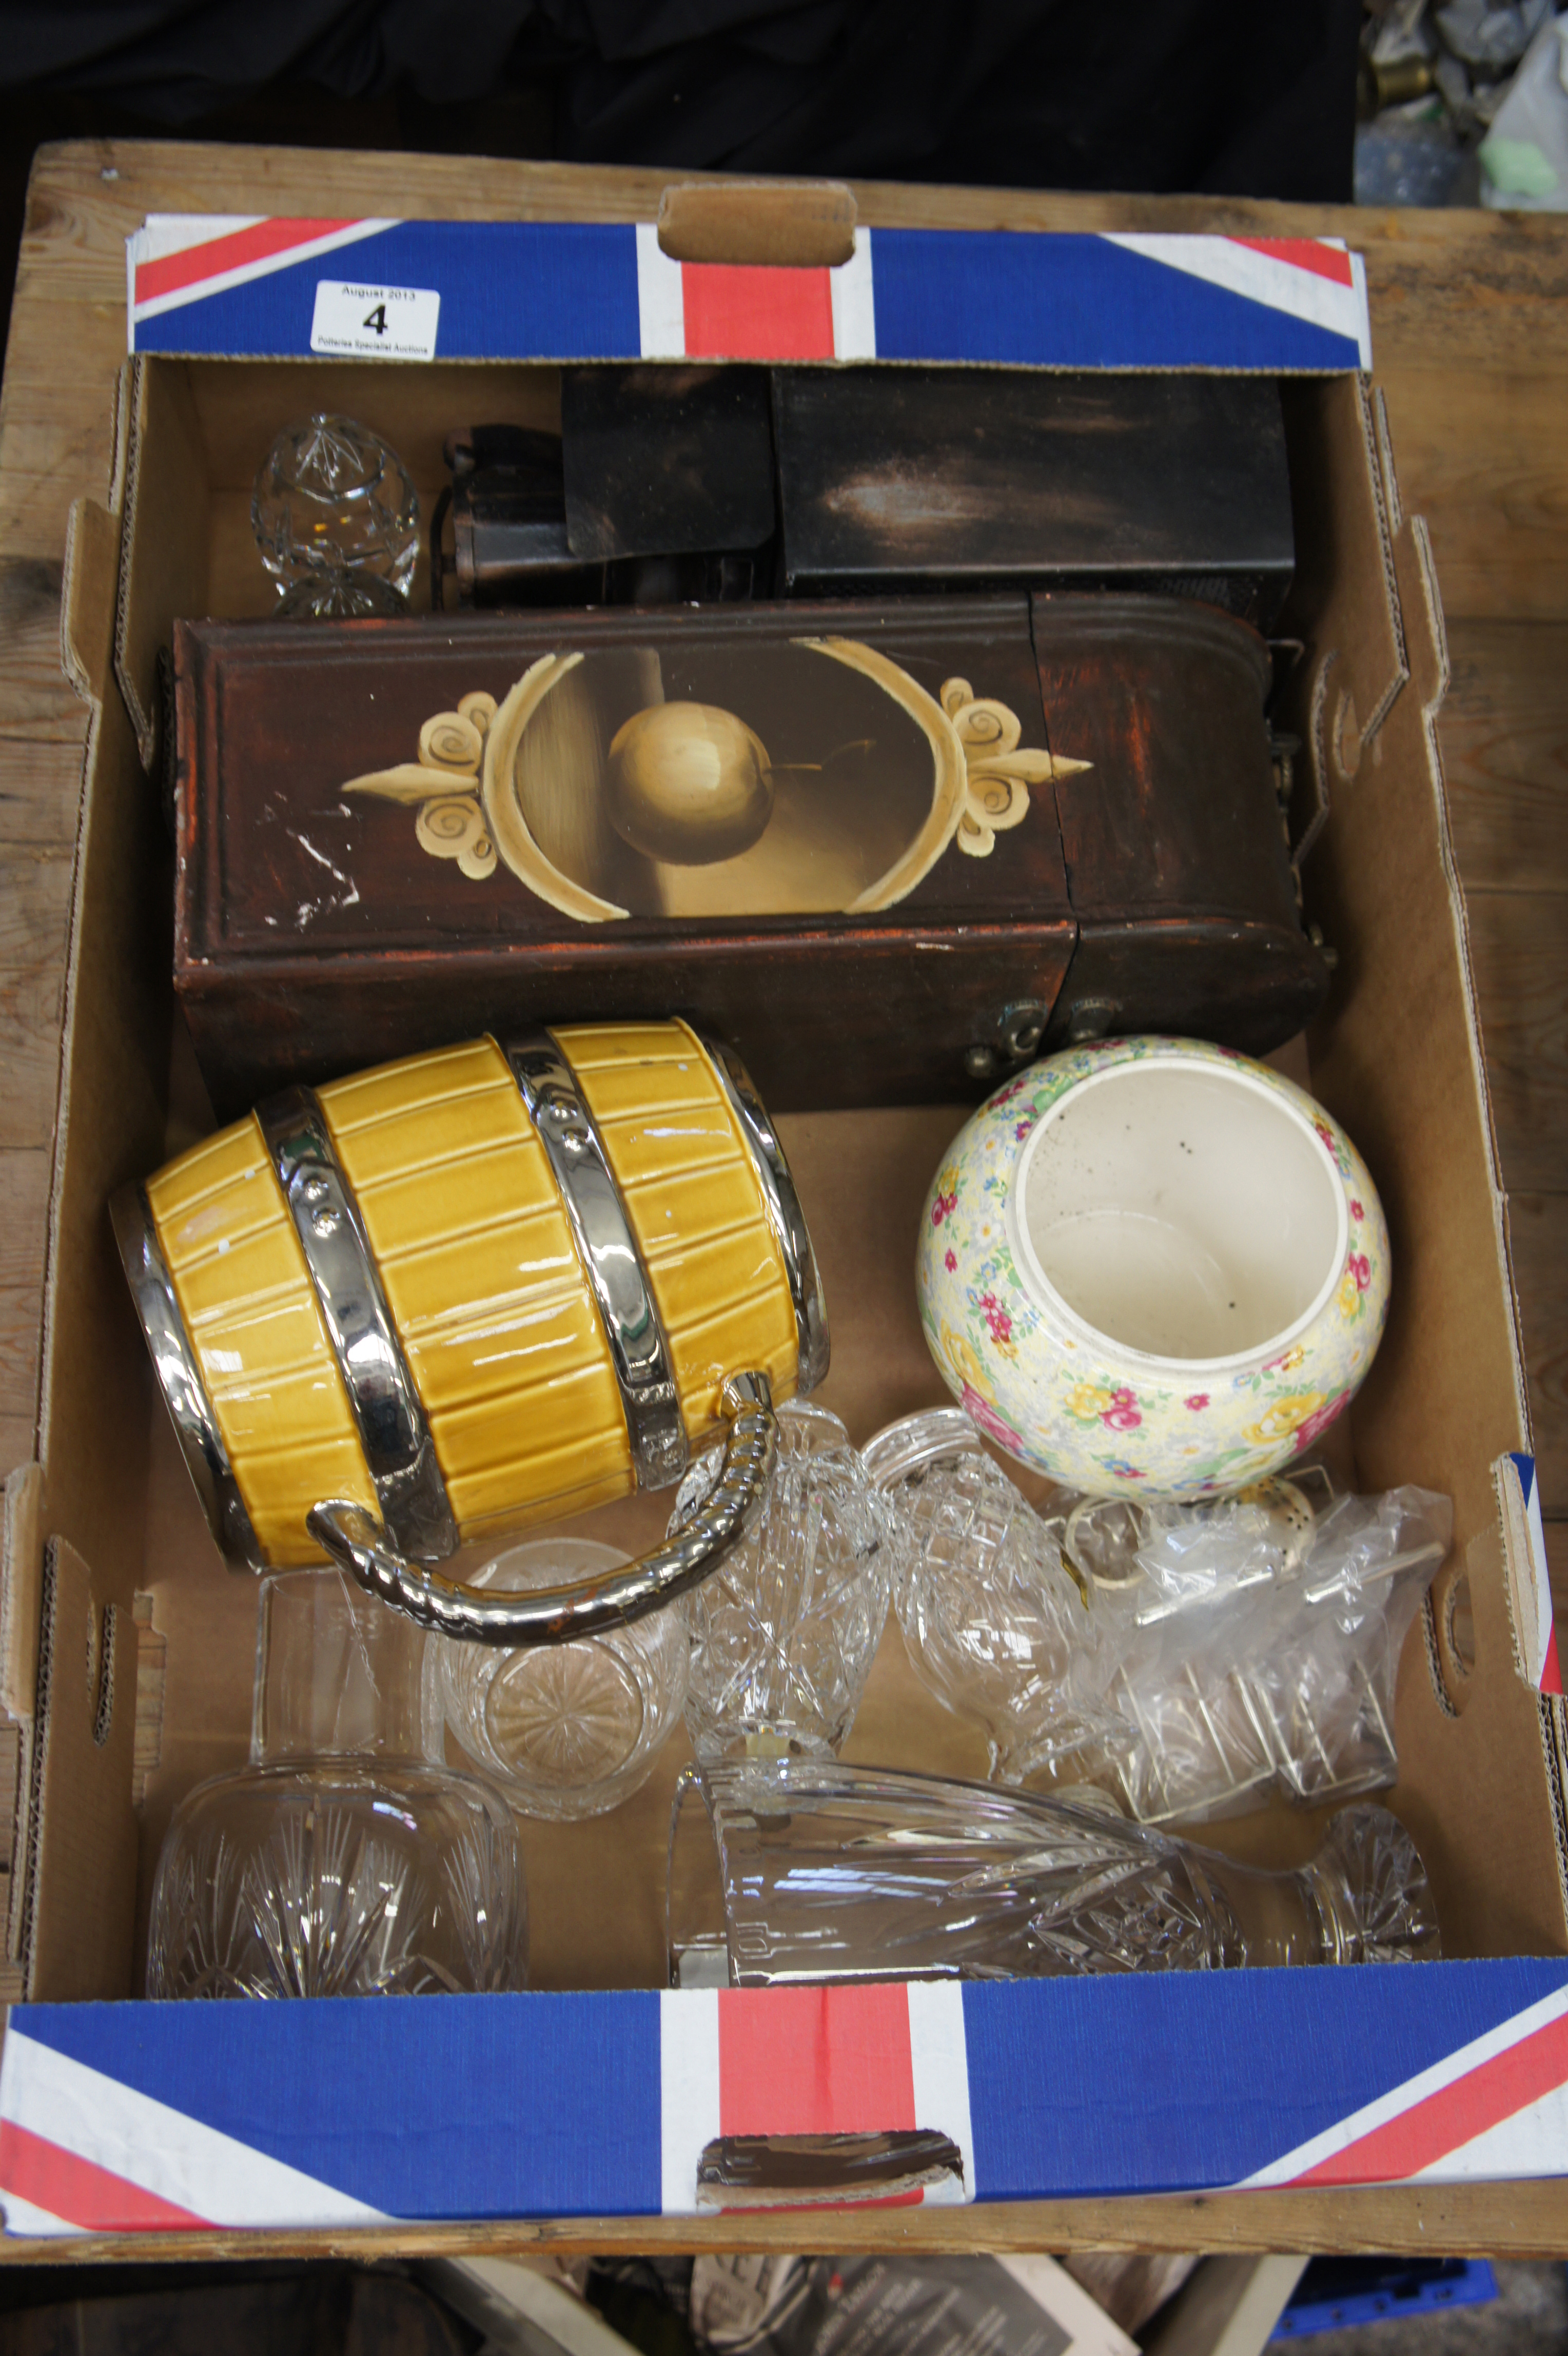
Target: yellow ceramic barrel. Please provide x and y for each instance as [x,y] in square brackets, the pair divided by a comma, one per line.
[487,1286]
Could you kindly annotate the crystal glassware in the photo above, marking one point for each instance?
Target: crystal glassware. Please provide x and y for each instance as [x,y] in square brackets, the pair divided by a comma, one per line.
[996,1623]
[1225,1650]
[810,1869]
[341,1861]
[784,1634]
[1259,1639]
[337,519]
[571,1730]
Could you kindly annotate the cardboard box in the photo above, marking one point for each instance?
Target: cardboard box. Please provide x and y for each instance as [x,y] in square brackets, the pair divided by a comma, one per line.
[596,2103]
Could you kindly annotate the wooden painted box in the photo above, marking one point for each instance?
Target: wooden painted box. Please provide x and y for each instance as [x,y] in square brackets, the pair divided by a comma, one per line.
[860,841]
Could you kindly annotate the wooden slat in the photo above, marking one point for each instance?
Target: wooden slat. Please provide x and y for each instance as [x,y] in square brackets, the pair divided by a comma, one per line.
[1522,2219]
[1480,454]
[60,436]
[34,906]
[18,1434]
[1504,736]
[35,909]
[23,1204]
[40,781]
[31,1003]
[19,1320]
[43,722]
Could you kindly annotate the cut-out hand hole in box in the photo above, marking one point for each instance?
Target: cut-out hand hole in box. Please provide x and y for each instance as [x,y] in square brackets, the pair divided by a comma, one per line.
[761,272]
[778,2170]
[787,224]
[774,2096]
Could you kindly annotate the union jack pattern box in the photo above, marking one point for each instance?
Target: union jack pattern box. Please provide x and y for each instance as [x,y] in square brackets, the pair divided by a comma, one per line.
[120,2118]
[257,288]
[141,2118]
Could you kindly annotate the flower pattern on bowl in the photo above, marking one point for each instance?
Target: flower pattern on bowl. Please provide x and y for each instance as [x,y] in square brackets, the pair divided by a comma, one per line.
[1079,1406]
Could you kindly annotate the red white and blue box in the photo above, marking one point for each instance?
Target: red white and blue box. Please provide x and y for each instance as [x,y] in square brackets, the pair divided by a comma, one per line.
[119,2118]
[261,288]
[592,2100]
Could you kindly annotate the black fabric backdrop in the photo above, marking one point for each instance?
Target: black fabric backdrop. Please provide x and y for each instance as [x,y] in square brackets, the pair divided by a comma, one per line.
[1217,96]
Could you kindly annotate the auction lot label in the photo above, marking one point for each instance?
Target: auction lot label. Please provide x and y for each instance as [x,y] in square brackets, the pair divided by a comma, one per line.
[389,323]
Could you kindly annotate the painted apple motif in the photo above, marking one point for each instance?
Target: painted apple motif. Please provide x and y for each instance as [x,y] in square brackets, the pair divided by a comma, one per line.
[688,783]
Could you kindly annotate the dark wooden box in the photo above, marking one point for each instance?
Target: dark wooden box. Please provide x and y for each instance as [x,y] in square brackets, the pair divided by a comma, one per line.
[392,834]
[897,479]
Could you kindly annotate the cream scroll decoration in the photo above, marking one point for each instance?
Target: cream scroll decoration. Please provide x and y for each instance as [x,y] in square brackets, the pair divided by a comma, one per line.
[1000,775]
[443,785]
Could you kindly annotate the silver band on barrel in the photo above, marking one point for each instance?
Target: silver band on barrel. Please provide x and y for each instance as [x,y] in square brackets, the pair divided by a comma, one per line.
[557,1615]
[389,1416]
[785,1215]
[179,1378]
[640,1348]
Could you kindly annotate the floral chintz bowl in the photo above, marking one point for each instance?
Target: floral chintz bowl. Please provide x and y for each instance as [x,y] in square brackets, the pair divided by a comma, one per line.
[1153,1261]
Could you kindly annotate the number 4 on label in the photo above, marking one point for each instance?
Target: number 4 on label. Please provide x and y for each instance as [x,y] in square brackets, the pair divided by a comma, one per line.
[377,319]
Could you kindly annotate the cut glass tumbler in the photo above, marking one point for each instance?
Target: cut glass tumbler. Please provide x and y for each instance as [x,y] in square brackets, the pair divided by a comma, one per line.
[566,1731]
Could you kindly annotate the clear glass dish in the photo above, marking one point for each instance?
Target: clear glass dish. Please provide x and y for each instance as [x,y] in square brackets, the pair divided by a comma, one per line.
[566,1731]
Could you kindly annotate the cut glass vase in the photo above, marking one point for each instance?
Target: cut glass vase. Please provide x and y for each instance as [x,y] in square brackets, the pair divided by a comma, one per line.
[810,1869]
[341,1861]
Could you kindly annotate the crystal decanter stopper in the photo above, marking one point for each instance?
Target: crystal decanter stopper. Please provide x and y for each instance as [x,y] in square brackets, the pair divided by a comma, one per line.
[337,519]
[813,1869]
[340,1861]
[784,1633]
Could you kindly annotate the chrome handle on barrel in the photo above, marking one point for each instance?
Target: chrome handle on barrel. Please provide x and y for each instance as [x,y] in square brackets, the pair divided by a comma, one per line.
[359,1544]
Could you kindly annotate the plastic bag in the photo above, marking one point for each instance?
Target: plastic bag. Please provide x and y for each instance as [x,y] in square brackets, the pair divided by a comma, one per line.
[1194,1661]
[1524,156]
